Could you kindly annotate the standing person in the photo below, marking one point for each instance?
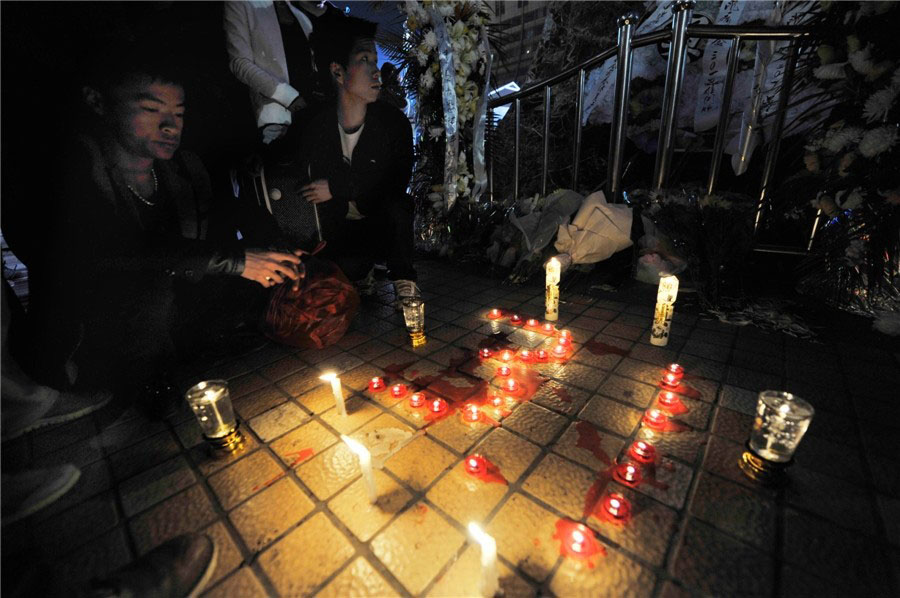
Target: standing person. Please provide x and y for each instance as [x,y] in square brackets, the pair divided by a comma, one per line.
[359,155]
[269,52]
[132,219]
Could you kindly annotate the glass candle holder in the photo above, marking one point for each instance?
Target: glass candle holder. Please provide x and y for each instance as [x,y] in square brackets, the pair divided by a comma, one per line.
[210,402]
[414,316]
[617,506]
[781,421]
[471,413]
[515,320]
[417,399]
[504,370]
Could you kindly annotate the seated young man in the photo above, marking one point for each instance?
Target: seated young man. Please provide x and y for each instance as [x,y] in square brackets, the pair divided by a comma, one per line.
[358,154]
[129,230]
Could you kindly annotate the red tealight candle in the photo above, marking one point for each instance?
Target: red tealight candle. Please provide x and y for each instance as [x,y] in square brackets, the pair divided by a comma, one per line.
[564,340]
[511,385]
[417,399]
[496,401]
[376,383]
[548,327]
[628,473]
[506,356]
[398,390]
[438,405]
[672,376]
[525,355]
[577,541]
[655,418]
[504,370]
[515,319]
[559,351]
[495,314]
[532,322]
[485,353]
[565,334]
[472,413]
[642,451]
[617,505]
[668,399]
[475,464]
[541,355]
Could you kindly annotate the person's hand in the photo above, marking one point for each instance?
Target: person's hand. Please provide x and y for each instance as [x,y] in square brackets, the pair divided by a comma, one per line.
[316,192]
[270,268]
[298,104]
[273,131]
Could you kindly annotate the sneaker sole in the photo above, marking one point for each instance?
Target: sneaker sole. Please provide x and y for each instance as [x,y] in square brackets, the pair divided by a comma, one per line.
[207,575]
[61,419]
[48,500]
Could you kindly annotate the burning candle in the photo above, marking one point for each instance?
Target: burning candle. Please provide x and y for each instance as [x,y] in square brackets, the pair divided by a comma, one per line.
[365,464]
[496,401]
[668,399]
[677,370]
[472,414]
[504,370]
[577,540]
[438,405]
[398,390]
[643,451]
[655,418]
[490,574]
[495,314]
[532,323]
[337,391]
[376,383]
[506,356]
[417,399]
[617,505]
[511,385]
[565,334]
[515,320]
[559,351]
[548,328]
[551,283]
[475,464]
[485,353]
[525,355]
[628,473]
[564,339]
[662,316]
[541,355]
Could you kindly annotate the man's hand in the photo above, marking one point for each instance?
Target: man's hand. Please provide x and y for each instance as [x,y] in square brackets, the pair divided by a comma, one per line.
[298,104]
[270,268]
[273,131]
[316,192]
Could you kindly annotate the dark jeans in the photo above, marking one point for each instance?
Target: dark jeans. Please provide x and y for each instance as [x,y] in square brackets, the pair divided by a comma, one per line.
[355,245]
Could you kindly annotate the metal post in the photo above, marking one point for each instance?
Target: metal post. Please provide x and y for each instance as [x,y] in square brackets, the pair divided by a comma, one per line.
[579,107]
[777,127]
[682,10]
[516,167]
[734,58]
[812,233]
[546,163]
[626,24]
[490,157]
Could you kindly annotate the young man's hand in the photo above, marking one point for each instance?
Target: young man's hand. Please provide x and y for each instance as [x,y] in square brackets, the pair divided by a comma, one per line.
[316,192]
[270,268]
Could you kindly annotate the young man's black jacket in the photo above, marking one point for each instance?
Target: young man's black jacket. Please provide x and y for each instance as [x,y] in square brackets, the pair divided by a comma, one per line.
[382,161]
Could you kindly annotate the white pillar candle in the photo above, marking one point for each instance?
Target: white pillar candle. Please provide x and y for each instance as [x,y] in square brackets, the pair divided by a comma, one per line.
[662,316]
[337,391]
[490,574]
[551,310]
[365,465]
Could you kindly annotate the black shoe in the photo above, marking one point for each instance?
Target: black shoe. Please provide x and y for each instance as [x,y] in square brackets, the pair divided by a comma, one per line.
[179,568]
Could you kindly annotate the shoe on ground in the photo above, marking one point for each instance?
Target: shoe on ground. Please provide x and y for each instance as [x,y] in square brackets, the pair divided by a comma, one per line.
[366,286]
[405,289]
[28,492]
[179,568]
[68,407]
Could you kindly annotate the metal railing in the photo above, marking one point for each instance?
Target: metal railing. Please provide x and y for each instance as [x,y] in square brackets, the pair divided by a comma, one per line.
[678,36]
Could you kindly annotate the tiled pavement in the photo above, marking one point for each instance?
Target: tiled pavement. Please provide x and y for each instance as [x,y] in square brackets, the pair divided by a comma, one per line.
[292,529]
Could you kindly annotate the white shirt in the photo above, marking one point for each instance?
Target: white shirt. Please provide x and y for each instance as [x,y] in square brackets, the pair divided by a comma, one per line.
[348,143]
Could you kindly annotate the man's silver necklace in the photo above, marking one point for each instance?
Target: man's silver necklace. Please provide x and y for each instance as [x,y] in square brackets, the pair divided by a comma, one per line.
[141,197]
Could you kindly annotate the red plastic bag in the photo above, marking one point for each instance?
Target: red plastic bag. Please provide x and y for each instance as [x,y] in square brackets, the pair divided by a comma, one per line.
[318,314]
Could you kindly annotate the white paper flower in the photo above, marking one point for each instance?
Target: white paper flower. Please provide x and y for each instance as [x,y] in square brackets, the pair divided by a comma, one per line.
[877,141]
[837,139]
[853,200]
[427,80]
[430,40]
[422,57]
[879,104]
[830,71]
[445,8]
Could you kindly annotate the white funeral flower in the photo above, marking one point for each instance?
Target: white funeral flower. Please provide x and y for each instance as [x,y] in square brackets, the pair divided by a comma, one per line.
[415,9]
[837,139]
[853,201]
[879,104]
[878,140]
[469,58]
[427,80]
[422,57]
[463,69]
[834,70]
[445,8]
[435,133]
[458,30]
[430,40]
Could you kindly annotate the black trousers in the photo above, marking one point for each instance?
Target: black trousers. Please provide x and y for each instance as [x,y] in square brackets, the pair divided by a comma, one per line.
[355,245]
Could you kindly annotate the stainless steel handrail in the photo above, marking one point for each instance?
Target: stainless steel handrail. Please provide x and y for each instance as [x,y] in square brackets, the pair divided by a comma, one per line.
[677,35]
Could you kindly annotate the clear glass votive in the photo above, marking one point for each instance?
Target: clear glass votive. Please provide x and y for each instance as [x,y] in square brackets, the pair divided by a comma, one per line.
[211,404]
[781,421]
[414,316]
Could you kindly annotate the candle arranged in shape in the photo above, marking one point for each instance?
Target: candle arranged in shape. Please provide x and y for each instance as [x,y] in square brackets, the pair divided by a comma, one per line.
[417,399]
[643,451]
[485,353]
[662,316]
[438,405]
[337,391]
[617,506]
[495,314]
[365,465]
[655,419]
[472,414]
[559,351]
[515,320]
[541,355]
[504,370]
[475,464]
[668,399]
[551,299]
[398,390]
[376,384]
[506,356]
[490,574]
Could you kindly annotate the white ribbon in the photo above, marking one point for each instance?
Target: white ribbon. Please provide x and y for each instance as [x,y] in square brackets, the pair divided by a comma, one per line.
[451,110]
[478,126]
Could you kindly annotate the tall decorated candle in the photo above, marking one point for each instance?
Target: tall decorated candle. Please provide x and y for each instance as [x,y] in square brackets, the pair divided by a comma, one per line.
[662,317]
[551,310]
[489,583]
